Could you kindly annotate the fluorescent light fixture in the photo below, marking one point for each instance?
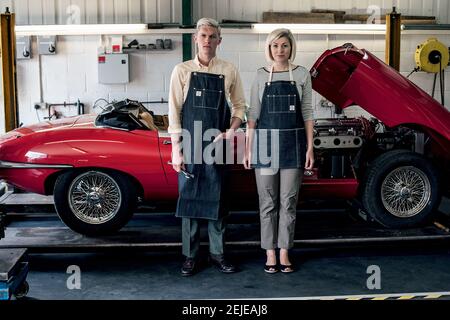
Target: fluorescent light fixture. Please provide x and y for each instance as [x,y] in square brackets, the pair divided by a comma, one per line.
[258,28]
[322,28]
[80,29]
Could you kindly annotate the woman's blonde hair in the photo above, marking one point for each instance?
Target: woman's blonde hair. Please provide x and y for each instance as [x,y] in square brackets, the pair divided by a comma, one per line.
[275,35]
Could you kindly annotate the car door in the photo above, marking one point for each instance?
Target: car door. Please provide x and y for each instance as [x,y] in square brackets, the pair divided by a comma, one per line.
[165,148]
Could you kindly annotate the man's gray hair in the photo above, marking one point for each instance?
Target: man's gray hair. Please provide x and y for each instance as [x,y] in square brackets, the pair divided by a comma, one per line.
[208,22]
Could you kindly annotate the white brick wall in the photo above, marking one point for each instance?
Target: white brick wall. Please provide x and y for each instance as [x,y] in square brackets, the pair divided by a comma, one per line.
[72,73]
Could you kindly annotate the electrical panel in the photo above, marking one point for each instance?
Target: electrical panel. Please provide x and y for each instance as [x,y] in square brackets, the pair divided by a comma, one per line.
[113,68]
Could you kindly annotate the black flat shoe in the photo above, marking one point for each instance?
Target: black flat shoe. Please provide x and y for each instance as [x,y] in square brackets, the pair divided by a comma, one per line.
[287,268]
[271,269]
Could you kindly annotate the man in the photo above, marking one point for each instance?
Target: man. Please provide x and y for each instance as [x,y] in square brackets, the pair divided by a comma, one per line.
[199,91]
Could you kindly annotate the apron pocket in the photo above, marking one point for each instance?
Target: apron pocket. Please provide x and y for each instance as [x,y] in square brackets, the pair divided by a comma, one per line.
[283,103]
[207,98]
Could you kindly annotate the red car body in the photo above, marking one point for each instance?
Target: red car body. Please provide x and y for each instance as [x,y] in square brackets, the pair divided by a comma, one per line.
[142,154]
[350,76]
[33,157]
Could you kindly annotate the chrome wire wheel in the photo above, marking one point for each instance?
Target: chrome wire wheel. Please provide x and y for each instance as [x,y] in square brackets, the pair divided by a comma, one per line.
[405,192]
[94,197]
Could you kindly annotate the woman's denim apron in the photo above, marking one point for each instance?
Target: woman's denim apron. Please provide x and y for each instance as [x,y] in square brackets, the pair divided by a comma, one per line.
[205,108]
[280,136]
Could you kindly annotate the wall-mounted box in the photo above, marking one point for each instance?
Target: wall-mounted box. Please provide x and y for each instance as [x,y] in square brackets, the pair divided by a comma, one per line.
[23,47]
[113,68]
[46,44]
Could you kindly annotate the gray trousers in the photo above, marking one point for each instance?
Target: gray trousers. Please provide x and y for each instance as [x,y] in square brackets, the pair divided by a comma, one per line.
[278,194]
[191,236]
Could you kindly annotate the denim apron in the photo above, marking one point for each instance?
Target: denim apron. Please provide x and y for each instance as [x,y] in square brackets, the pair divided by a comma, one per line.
[205,107]
[280,130]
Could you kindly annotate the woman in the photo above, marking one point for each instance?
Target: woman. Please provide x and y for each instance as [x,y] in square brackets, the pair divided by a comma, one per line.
[281,111]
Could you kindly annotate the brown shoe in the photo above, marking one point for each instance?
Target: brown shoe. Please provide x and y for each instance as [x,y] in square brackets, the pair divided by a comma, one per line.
[189,267]
[220,263]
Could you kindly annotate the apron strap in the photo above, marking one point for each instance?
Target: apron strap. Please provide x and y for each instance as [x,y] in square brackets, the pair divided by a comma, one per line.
[271,74]
[291,76]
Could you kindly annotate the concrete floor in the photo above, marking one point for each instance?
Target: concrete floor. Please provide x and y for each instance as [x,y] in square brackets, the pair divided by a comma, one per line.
[321,272]
[121,274]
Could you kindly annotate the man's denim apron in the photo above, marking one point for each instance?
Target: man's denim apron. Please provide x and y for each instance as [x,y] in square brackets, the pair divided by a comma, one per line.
[205,105]
[281,120]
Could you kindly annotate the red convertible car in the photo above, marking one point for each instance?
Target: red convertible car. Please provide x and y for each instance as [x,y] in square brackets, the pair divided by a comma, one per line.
[99,167]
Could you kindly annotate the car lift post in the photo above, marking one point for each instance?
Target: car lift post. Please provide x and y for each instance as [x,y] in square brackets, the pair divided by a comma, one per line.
[8,66]
[393,39]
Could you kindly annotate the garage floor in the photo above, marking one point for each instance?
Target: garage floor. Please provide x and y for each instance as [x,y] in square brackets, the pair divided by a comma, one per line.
[153,273]
[320,273]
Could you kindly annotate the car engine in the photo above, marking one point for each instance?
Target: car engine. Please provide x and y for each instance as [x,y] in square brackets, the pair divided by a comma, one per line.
[337,142]
[339,133]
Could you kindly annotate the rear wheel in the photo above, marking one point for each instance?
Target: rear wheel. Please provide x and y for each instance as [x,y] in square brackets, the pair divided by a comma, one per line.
[401,189]
[94,202]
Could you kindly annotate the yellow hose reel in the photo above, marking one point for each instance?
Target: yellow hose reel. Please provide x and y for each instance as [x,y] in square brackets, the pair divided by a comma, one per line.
[432,56]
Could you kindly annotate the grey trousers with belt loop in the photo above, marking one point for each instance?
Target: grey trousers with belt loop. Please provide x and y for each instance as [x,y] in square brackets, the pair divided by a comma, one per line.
[191,236]
[278,194]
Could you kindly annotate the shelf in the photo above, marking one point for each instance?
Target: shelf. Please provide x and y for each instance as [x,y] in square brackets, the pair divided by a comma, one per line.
[93,29]
[419,29]
[134,50]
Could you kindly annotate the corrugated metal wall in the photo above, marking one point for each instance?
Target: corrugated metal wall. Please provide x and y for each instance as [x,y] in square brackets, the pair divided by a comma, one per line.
[251,10]
[136,11]
[93,11]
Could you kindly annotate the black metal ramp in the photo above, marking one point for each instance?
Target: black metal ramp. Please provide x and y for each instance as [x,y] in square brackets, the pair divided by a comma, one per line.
[13,273]
[161,232]
[318,225]
[9,260]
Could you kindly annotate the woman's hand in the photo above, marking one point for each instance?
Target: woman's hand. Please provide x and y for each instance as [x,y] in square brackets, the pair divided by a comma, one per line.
[309,163]
[247,160]
[249,136]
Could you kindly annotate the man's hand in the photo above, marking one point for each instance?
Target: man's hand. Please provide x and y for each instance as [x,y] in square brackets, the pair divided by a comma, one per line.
[309,163]
[178,161]
[225,135]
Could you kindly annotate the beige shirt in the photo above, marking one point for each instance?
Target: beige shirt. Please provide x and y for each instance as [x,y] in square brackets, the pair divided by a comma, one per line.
[179,87]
